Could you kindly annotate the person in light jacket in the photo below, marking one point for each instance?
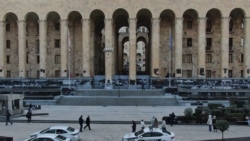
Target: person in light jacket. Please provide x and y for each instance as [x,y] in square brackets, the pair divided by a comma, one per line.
[210,122]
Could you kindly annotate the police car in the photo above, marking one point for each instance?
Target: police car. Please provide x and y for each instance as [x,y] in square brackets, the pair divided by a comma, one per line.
[48,137]
[150,134]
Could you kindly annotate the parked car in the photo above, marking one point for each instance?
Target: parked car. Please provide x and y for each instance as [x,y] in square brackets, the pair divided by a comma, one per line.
[66,131]
[48,137]
[150,134]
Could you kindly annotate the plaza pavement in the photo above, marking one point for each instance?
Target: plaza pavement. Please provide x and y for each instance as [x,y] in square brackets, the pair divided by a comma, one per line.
[110,123]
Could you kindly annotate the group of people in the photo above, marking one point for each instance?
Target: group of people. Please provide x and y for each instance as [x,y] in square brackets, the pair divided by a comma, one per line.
[154,124]
[87,122]
[211,122]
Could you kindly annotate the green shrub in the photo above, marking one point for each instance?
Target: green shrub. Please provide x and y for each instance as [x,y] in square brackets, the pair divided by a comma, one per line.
[188,112]
[222,125]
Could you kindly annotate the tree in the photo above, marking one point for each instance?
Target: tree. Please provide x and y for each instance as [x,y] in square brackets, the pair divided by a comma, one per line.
[222,125]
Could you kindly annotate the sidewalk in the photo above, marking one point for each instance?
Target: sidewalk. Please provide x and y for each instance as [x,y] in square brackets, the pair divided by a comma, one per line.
[113,132]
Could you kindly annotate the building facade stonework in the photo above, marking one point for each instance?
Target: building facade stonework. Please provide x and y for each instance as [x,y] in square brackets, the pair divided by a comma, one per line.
[160,38]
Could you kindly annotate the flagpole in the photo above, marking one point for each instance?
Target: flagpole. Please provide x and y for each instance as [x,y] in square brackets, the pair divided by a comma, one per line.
[69,49]
[170,57]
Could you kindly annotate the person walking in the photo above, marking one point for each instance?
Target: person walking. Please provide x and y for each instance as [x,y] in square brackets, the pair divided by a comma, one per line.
[214,124]
[133,126]
[209,122]
[87,123]
[80,123]
[156,124]
[8,118]
[142,124]
[29,115]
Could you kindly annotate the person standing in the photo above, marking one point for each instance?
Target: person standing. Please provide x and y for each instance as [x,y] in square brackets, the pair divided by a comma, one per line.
[214,123]
[8,118]
[156,123]
[152,121]
[163,124]
[87,123]
[29,115]
[133,126]
[142,124]
[209,122]
[80,123]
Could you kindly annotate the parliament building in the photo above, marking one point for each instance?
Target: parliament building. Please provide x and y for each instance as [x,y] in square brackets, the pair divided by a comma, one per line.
[154,38]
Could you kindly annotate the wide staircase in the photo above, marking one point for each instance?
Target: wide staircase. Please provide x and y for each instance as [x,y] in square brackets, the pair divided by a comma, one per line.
[119,97]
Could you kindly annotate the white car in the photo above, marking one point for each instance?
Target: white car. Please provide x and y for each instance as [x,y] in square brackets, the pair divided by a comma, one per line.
[150,134]
[48,137]
[66,131]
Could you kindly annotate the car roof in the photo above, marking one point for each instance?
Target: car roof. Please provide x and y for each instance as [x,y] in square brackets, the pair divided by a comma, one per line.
[152,129]
[59,127]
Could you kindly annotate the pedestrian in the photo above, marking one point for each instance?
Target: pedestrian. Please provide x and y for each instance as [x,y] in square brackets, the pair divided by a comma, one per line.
[8,118]
[87,123]
[80,123]
[163,124]
[142,124]
[133,126]
[156,124]
[209,122]
[214,124]
[152,121]
[29,115]
[248,120]
[172,118]
[142,86]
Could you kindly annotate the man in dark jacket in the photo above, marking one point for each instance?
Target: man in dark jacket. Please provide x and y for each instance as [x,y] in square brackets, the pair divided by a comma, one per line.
[8,117]
[87,123]
[80,122]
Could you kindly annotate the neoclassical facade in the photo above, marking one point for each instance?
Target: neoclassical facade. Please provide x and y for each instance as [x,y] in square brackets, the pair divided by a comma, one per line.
[157,38]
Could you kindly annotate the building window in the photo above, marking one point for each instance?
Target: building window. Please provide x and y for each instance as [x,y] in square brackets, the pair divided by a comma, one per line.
[187,73]
[230,58]
[7,59]
[208,58]
[242,24]
[8,74]
[27,59]
[209,26]
[230,44]
[57,43]
[7,27]
[208,73]
[57,73]
[37,59]
[209,44]
[187,58]
[8,44]
[242,42]
[189,42]
[241,58]
[57,59]
[57,26]
[230,73]
[189,24]
[37,46]
[231,25]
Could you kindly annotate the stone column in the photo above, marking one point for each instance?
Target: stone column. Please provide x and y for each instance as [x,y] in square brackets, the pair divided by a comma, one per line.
[43,47]
[86,47]
[155,47]
[108,50]
[178,46]
[22,48]
[224,46]
[246,48]
[132,51]
[201,47]
[2,50]
[64,48]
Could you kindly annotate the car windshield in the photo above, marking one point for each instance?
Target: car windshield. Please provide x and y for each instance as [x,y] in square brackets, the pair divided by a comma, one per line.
[61,138]
[44,130]
[139,132]
[70,129]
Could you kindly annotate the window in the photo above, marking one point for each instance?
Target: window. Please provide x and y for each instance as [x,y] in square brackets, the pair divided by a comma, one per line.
[208,73]
[27,59]
[231,44]
[209,44]
[57,73]
[231,25]
[57,59]
[242,42]
[37,59]
[7,27]
[209,26]
[242,24]
[57,43]
[208,58]
[8,44]
[8,74]
[189,24]
[230,58]
[57,26]
[230,73]
[37,46]
[187,58]
[241,58]
[7,59]
[189,42]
